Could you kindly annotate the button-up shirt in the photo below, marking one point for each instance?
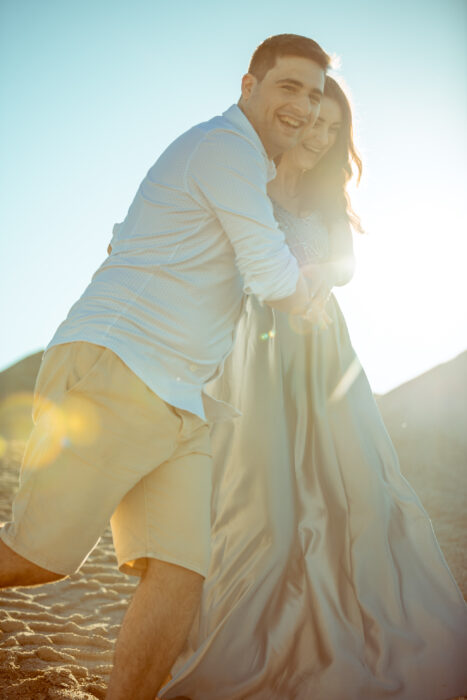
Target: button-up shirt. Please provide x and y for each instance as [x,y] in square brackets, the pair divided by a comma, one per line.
[199,234]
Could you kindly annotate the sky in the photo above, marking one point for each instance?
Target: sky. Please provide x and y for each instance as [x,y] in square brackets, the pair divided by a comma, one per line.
[92,91]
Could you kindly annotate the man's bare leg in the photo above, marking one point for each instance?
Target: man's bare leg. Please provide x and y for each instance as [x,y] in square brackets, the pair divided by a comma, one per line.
[15,570]
[154,630]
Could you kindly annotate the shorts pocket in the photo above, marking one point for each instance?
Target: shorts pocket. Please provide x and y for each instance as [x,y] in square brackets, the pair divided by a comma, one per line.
[84,361]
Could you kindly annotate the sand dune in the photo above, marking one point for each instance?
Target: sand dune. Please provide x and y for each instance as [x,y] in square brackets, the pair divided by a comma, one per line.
[56,641]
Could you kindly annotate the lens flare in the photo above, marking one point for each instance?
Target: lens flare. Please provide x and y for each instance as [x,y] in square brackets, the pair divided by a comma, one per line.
[269,335]
[81,420]
[75,422]
[49,434]
[346,381]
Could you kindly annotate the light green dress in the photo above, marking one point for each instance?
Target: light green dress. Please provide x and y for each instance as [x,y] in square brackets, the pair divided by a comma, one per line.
[326,580]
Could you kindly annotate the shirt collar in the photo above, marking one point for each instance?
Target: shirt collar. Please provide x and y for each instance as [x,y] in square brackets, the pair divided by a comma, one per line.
[235,115]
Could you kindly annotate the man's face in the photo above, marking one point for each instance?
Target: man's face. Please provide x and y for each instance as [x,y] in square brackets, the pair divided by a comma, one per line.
[284,102]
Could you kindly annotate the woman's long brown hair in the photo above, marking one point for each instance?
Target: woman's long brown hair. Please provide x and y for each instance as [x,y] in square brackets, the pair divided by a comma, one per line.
[324,188]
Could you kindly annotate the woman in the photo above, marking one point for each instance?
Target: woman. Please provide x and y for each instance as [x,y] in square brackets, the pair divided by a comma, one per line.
[326,580]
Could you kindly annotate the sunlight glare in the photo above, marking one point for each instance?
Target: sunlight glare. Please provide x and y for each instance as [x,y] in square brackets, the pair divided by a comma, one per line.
[346,381]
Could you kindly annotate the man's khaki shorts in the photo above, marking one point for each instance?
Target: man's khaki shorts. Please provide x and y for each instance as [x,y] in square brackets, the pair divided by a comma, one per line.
[104,446]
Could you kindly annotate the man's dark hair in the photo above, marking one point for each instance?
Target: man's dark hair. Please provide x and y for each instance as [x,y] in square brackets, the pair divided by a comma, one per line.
[267,53]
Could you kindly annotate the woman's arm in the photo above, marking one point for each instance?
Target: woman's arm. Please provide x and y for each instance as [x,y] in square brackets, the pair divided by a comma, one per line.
[336,271]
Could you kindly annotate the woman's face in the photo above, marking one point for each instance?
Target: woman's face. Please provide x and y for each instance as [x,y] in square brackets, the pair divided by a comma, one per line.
[317,139]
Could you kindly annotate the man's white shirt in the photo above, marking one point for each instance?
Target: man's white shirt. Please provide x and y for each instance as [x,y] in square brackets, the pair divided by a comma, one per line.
[199,234]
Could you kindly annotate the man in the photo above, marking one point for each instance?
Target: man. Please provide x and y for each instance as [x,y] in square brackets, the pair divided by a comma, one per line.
[121,420]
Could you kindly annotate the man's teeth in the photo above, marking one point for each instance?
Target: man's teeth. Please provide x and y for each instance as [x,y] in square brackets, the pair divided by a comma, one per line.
[291,122]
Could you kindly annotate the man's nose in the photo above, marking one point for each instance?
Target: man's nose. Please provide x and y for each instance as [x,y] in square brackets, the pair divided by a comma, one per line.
[304,106]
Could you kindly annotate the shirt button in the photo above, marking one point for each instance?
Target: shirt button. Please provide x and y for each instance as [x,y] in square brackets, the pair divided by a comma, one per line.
[193,368]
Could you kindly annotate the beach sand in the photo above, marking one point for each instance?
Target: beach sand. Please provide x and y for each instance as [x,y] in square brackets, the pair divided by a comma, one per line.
[56,641]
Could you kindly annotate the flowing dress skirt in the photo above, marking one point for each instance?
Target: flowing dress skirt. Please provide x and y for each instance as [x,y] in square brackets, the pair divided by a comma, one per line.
[326,580]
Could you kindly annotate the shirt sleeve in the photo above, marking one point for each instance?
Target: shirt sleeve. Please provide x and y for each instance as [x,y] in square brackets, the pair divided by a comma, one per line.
[228,174]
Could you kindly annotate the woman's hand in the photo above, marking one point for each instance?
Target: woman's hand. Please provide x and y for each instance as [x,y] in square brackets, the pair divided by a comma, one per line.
[316,278]
[320,292]
[316,314]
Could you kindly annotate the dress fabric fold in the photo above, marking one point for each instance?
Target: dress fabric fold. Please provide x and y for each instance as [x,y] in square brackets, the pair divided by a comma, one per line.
[326,580]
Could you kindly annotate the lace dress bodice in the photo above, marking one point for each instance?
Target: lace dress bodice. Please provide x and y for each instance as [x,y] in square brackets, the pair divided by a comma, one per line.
[307,237]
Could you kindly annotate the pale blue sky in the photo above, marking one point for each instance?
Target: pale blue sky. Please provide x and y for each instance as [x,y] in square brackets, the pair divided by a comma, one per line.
[93,90]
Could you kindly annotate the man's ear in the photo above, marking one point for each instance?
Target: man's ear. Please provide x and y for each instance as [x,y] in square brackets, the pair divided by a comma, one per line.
[248,83]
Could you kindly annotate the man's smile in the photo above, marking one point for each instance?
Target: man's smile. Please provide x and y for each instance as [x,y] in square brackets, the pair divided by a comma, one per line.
[293,122]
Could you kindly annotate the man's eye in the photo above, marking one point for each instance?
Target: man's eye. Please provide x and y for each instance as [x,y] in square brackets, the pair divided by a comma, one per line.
[289,88]
[316,99]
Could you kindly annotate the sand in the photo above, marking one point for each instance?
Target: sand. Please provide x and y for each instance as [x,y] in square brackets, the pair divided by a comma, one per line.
[56,641]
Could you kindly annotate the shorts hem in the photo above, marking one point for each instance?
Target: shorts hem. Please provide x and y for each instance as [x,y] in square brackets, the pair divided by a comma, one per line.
[125,568]
[33,557]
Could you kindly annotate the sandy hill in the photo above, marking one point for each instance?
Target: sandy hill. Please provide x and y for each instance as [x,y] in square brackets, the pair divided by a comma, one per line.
[20,376]
[16,391]
[427,421]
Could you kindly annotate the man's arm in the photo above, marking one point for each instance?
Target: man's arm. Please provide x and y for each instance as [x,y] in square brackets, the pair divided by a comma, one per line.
[297,303]
[228,175]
